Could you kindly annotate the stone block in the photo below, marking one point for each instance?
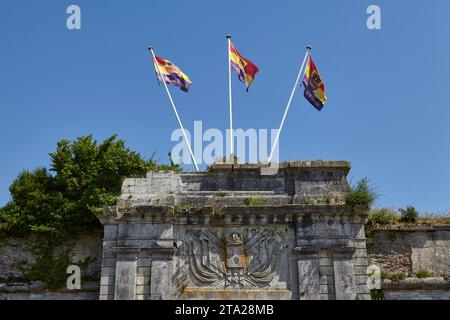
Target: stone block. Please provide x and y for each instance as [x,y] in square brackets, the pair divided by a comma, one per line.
[344,272]
[107,281]
[107,290]
[145,271]
[125,280]
[309,283]
[108,271]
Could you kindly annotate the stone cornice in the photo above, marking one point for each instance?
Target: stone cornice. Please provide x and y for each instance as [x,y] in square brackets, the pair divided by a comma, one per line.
[284,213]
[413,227]
[316,164]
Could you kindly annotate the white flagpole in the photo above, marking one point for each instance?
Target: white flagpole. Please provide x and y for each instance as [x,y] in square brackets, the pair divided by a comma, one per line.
[229,97]
[308,49]
[175,110]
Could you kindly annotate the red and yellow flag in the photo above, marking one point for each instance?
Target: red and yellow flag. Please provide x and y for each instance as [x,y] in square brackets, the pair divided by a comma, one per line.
[314,88]
[245,69]
[171,74]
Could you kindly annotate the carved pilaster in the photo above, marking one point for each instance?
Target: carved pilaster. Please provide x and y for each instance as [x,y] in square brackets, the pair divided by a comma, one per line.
[308,273]
[161,273]
[344,273]
[126,263]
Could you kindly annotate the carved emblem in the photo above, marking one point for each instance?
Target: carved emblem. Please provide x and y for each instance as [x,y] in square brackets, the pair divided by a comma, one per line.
[247,257]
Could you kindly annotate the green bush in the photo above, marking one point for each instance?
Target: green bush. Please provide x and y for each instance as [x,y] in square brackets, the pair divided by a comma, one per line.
[409,215]
[382,216]
[361,194]
[87,176]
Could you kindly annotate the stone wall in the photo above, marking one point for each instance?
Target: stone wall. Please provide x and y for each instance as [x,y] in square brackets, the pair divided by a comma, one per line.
[18,253]
[234,233]
[412,249]
[434,288]
[392,250]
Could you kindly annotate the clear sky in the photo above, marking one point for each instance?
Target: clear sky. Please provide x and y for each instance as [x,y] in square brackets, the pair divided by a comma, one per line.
[388,90]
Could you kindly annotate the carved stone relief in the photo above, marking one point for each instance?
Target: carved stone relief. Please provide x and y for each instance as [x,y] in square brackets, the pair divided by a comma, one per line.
[235,258]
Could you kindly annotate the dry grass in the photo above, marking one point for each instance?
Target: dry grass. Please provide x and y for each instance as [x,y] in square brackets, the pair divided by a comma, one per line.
[429,218]
[390,216]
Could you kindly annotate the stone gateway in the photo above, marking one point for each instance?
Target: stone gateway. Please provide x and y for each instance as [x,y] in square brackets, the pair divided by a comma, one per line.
[235,233]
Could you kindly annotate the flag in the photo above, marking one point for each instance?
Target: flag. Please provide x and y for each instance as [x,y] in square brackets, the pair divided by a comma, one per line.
[314,88]
[171,74]
[245,69]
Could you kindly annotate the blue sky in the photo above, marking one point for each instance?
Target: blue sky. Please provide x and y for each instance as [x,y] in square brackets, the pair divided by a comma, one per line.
[388,109]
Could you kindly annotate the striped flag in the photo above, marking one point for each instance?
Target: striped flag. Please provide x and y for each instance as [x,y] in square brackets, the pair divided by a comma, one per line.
[171,74]
[245,69]
[314,88]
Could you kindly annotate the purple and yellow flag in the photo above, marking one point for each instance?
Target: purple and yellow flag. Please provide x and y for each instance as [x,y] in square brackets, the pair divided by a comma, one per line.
[245,69]
[171,74]
[314,88]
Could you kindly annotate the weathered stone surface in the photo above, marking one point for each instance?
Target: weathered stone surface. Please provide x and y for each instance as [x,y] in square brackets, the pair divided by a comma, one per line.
[50,295]
[412,248]
[36,291]
[309,281]
[417,289]
[16,253]
[125,278]
[344,275]
[235,232]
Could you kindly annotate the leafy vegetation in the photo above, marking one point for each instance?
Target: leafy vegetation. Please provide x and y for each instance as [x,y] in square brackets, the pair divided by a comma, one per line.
[398,276]
[84,177]
[50,268]
[385,275]
[393,276]
[377,294]
[425,274]
[382,216]
[361,194]
[386,216]
[409,215]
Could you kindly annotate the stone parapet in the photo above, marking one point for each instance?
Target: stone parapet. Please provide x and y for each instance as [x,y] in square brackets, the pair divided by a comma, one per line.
[236,232]
[304,182]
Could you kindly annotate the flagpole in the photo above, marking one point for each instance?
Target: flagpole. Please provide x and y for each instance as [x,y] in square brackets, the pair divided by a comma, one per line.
[174,109]
[229,97]
[308,50]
